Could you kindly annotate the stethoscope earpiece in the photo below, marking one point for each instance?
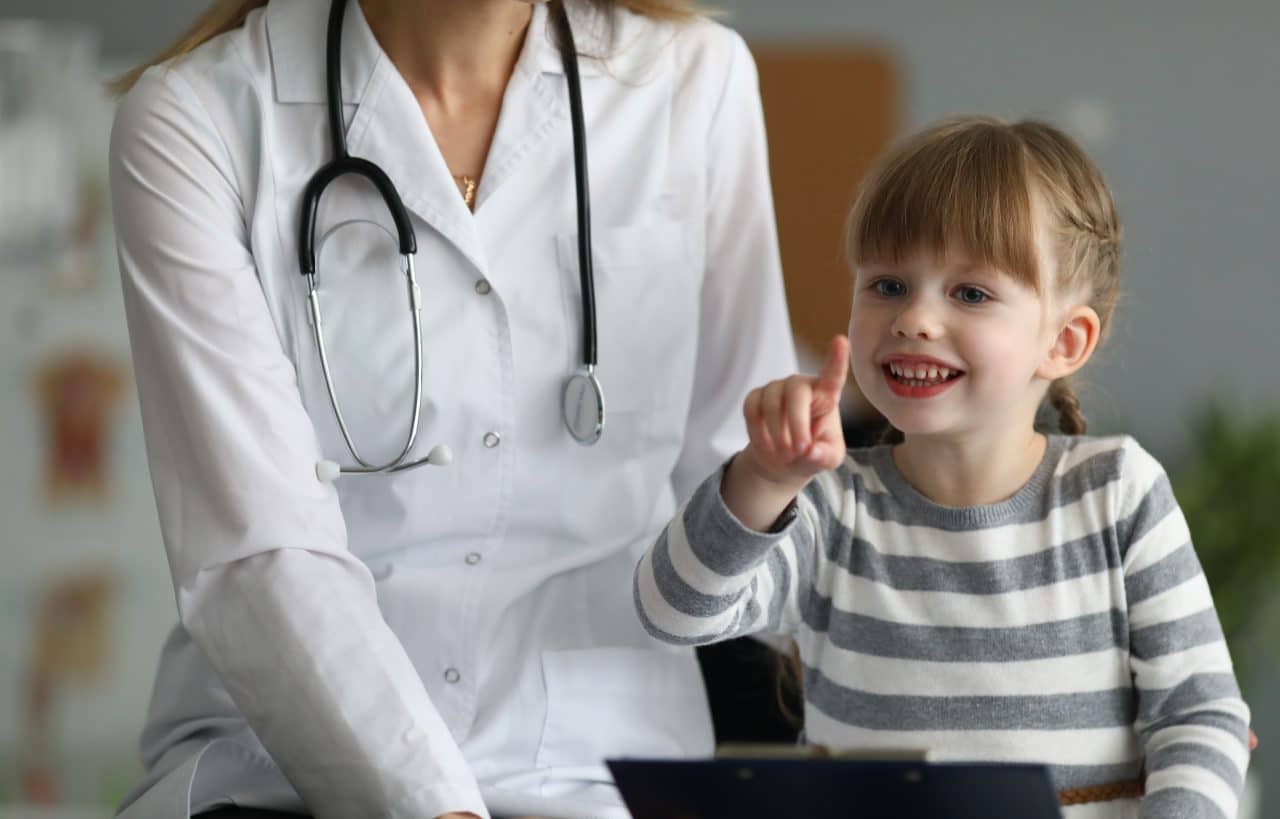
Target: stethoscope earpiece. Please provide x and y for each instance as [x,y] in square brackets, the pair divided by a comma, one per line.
[327,471]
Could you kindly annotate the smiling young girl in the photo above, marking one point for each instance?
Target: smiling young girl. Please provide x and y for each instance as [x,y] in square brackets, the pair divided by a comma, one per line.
[980,589]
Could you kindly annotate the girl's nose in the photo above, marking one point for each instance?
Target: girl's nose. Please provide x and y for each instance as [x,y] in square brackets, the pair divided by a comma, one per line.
[917,321]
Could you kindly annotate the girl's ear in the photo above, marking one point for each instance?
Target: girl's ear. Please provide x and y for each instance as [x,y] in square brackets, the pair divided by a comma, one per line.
[1074,344]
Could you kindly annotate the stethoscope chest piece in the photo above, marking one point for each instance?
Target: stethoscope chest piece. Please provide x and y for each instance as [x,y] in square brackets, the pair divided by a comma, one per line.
[583,405]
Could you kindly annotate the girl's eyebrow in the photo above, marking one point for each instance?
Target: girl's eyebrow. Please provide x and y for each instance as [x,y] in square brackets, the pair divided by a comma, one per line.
[979,269]
[872,268]
[962,269]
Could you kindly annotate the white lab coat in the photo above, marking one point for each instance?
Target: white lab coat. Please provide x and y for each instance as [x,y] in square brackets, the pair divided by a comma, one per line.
[406,645]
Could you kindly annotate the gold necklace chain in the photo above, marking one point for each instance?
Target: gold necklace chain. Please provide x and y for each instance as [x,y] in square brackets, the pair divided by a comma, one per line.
[467,187]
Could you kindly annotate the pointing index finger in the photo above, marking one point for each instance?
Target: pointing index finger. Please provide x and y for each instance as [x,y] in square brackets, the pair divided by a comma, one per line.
[836,370]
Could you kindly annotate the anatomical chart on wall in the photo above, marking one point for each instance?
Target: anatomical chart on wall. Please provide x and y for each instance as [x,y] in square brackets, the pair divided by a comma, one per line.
[77,393]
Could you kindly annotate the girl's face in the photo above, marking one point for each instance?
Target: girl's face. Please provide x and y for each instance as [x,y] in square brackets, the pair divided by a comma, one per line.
[944,346]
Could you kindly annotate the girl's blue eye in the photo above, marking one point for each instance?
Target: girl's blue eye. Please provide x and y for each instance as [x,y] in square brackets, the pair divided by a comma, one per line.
[889,287]
[972,295]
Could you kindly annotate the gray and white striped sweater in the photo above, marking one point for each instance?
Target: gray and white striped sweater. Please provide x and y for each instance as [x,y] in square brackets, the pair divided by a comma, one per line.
[1070,624]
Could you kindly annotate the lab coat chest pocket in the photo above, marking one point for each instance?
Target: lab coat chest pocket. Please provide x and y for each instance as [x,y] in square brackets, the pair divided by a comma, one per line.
[608,702]
[646,310]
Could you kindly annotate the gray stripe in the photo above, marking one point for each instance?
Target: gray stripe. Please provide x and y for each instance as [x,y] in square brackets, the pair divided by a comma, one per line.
[650,627]
[826,520]
[1076,558]
[1202,756]
[894,712]
[1222,720]
[1169,637]
[1170,571]
[1094,472]
[1165,703]
[718,541]
[680,595]
[1157,504]
[777,564]
[1083,776]
[806,547]
[881,638]
[1033,503]
[1180,803]
[667,637]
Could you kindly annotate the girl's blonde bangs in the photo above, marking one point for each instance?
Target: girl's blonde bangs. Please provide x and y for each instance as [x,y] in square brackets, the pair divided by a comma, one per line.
[958,187]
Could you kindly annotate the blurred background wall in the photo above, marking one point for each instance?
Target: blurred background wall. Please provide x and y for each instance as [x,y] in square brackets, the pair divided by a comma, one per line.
[1177,100]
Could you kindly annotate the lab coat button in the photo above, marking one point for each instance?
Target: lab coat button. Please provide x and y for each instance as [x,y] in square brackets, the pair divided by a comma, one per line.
[482,287]
[451,675]
[473,558]
[491,439]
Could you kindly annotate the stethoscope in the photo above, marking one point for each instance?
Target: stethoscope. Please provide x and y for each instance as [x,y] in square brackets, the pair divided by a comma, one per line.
[582,401]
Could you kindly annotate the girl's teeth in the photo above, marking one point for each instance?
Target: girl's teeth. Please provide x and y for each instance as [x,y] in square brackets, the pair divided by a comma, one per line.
[922,376]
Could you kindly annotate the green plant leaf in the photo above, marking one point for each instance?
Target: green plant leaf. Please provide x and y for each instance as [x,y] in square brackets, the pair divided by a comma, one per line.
[1229,490]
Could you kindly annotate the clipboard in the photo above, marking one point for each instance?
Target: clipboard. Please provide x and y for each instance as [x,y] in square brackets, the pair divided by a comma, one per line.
[833,788]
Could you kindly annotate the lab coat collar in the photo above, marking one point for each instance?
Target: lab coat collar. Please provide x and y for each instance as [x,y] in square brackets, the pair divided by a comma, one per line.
[388,129]
[296,31]
[590,34]
[617,43]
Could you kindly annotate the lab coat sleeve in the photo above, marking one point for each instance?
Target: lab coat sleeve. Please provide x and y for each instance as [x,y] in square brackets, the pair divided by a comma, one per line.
[256,544]
[744,332]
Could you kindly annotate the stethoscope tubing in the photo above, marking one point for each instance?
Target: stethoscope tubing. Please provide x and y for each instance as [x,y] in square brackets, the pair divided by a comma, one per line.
[343,163]
[569,56]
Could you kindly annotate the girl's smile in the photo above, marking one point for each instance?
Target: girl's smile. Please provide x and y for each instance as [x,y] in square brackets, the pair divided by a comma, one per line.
[917,376]
[944,344]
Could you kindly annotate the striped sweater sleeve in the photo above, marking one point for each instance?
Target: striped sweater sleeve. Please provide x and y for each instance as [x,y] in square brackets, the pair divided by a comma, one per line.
[1191,719]
[709,578]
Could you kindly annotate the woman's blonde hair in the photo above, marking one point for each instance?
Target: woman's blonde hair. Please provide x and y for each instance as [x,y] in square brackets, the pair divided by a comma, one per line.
[226,15]
[973,184]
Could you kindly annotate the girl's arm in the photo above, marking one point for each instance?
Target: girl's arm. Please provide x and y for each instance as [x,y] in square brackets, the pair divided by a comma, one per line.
[1192,723]
[710,578]
[738,556]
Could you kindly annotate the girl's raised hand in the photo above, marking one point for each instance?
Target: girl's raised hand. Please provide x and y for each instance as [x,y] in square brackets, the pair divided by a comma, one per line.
[794,423]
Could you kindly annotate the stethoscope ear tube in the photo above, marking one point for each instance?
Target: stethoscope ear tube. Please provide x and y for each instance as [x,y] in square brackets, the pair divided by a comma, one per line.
[342,162]
[311,206]
[415,308]
[569,57]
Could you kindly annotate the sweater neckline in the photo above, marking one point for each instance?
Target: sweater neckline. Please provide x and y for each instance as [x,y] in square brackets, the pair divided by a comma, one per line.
[914,500]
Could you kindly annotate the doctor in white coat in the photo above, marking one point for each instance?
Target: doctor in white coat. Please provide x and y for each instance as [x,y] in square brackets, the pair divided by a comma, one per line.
[457,638]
